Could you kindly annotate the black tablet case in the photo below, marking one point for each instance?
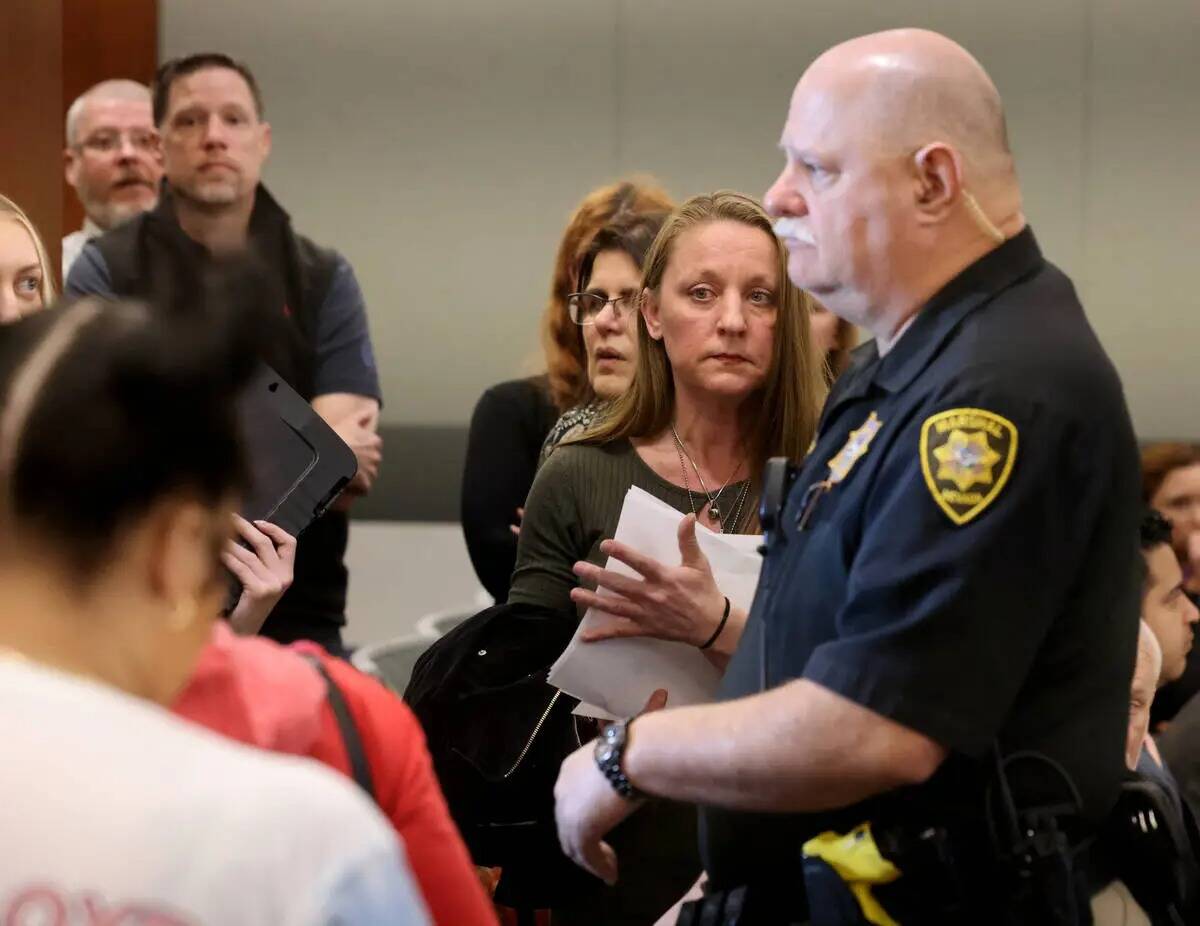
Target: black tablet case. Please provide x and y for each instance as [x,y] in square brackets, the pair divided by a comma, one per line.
[298,465]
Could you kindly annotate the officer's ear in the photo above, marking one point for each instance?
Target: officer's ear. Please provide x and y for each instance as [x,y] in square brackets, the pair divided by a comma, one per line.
[650,312]
[938,182]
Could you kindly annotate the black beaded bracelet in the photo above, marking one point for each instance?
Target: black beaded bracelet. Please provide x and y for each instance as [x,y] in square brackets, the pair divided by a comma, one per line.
[721,626]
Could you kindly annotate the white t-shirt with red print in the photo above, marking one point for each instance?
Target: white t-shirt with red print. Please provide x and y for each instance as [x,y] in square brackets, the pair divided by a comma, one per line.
[115,813]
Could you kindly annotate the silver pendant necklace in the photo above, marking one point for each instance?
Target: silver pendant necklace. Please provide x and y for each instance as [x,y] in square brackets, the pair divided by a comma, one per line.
[714,508]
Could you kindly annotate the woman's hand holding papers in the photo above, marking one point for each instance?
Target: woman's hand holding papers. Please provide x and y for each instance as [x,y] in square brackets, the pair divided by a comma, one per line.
[680,603]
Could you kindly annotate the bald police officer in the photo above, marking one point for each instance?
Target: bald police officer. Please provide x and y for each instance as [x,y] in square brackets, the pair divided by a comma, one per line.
[943,635]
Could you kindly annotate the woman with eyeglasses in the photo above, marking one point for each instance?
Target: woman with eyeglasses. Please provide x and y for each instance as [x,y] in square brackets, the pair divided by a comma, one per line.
[26,278]
[512,419]
[610,279]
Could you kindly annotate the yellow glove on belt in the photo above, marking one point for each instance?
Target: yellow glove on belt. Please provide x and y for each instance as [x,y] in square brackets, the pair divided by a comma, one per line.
[858,862]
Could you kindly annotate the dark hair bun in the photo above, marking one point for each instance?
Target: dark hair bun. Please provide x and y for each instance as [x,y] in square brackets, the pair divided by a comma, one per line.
[205,338]
[137,401]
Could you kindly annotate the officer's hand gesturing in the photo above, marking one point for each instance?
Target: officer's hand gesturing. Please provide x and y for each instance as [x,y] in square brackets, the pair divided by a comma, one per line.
[668,602]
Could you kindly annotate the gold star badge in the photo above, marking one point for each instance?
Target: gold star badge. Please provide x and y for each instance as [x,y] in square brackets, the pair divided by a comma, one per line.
[967,455]
[857,444]
[966,459]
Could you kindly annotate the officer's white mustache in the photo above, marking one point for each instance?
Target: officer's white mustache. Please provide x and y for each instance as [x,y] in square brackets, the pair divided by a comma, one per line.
[790,228]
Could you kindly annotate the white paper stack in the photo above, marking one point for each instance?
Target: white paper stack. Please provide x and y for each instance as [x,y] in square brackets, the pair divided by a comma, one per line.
[616,677]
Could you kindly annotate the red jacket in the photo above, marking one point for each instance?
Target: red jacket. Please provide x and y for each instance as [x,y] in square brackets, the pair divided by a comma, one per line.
[261,693]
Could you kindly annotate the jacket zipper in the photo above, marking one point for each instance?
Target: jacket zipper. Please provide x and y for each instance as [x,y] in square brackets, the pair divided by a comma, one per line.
[532,736]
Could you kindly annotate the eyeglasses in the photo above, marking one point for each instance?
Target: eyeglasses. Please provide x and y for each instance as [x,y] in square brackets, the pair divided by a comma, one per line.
[108,142]
[584,307]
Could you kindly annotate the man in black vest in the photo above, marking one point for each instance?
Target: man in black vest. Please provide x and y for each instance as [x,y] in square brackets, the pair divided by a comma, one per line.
[208,110]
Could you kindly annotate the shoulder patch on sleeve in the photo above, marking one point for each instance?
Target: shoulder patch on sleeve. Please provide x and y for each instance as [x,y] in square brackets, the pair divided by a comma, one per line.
[967,455]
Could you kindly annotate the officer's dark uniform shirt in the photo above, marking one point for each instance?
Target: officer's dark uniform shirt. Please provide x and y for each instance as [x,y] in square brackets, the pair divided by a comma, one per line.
[971,571]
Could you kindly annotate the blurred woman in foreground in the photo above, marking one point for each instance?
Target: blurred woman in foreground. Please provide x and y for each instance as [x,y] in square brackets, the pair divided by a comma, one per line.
[120,467]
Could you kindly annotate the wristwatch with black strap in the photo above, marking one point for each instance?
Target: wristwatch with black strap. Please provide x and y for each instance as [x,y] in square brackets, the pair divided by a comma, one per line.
[610,753]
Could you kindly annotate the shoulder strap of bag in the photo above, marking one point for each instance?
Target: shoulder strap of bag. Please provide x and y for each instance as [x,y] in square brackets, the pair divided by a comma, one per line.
[359,767]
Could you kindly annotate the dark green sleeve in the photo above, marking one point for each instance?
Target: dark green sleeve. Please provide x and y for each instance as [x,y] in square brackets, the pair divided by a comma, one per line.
[552,536]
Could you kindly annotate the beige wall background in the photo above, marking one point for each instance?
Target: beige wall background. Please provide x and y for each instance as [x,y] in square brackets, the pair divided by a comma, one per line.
[440,144]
